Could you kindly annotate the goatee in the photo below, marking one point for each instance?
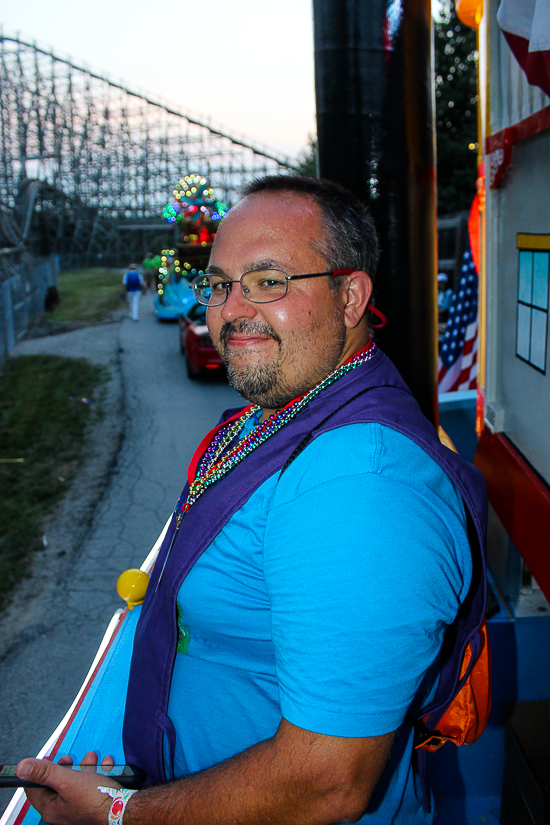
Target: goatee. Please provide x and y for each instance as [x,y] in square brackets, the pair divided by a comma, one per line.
[261,384]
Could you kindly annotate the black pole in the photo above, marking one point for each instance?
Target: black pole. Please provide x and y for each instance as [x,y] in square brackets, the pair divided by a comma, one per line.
[375,128]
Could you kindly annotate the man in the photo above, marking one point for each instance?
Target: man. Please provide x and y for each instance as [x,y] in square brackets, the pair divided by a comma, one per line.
[294,620]
[133,283]
[151,272]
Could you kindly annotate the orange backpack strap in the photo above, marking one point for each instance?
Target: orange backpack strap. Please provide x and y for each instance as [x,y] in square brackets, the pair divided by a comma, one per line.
[465,718]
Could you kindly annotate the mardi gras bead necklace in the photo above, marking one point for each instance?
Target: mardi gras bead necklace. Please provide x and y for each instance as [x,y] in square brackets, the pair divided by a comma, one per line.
[214,465]
[222,439]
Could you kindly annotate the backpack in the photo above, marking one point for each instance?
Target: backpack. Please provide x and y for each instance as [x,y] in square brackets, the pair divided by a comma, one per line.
[461,706]
[463,717]
[132,280]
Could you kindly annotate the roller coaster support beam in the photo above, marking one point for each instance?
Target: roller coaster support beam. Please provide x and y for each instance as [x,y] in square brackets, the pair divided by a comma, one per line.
[376,135]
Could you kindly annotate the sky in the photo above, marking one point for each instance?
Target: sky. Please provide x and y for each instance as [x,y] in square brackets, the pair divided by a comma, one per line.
[244,64]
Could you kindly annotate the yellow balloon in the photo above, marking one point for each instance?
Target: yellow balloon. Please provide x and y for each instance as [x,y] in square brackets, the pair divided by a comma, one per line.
[132,586]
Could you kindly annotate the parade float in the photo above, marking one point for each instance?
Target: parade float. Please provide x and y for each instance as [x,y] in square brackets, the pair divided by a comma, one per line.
[196,211]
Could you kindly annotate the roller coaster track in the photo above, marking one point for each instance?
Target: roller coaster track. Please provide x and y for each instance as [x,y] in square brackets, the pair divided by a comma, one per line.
[104,156]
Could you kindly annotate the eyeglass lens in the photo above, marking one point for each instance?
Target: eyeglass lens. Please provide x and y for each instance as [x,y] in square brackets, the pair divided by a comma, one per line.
[261,287]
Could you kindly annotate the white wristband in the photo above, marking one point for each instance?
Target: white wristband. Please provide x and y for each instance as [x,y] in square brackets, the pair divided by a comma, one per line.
[120,797]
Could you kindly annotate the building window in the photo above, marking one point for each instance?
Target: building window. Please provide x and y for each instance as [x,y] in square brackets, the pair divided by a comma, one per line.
[532,317]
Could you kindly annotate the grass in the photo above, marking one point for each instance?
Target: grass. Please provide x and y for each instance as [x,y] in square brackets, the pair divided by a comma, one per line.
[43,422]
[87,296]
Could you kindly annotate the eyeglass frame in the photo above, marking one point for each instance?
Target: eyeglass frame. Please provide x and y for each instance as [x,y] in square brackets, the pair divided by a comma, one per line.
[334,273]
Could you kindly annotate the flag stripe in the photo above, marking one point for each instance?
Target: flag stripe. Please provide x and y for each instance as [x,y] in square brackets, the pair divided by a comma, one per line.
[457,367]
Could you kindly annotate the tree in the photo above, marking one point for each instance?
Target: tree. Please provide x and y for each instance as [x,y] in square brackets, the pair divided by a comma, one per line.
[456,111]
[306,162]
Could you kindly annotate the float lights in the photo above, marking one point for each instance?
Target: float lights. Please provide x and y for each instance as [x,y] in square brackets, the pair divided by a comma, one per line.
[191,198]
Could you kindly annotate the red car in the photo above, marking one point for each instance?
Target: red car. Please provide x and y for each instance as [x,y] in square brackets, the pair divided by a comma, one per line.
[196,344]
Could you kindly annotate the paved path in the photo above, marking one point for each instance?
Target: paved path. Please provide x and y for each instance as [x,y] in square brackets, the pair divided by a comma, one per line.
[164,415]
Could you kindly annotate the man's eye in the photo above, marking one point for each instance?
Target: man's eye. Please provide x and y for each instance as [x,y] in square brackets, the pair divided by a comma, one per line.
[270,283]
[218,286]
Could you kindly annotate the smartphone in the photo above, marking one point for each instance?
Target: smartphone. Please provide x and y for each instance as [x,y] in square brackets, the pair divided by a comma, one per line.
[126,775]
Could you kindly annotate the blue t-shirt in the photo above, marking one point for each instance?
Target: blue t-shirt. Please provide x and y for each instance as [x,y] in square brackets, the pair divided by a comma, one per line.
[324,600]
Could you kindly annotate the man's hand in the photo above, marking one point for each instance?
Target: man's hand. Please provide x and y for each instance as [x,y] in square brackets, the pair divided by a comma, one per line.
[69,797]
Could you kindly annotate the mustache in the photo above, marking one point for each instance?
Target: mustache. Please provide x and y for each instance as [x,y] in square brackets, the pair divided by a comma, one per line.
[246,328]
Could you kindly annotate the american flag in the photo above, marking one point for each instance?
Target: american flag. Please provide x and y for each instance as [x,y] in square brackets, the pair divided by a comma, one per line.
[458,350]
[526,27]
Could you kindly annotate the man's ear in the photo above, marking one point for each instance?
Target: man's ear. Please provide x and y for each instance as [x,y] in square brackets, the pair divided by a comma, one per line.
[357,291]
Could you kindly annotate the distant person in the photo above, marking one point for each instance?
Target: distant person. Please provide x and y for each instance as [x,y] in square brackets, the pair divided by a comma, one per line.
[133,284]
[444,301]
[151,272]
[444,292]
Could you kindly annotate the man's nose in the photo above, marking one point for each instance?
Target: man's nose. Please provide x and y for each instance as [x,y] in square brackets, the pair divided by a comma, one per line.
[236,305]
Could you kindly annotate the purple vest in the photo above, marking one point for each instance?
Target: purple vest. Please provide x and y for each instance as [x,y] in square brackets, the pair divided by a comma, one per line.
[373,392]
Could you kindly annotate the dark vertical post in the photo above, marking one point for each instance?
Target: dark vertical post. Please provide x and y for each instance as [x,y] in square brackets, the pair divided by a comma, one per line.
[375,126]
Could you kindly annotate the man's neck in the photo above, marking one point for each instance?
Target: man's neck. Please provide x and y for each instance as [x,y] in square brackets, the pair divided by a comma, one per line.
[347,355]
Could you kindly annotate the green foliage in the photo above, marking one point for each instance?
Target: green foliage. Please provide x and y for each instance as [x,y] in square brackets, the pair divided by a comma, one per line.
[307,159]
[87,295]
[42,421]
[456,112]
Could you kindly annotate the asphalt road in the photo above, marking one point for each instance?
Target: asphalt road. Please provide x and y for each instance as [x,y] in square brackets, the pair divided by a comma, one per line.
[164,415]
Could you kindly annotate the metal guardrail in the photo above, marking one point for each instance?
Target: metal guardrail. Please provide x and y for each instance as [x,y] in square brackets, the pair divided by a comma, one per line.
[23,288]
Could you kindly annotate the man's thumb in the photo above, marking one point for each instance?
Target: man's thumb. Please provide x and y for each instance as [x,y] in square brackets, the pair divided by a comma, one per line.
[24,769]
[37,770]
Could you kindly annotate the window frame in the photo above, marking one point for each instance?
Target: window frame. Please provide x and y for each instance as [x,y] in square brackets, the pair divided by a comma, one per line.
[532,245]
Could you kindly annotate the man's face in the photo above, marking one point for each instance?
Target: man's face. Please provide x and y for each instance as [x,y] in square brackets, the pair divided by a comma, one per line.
[275,352]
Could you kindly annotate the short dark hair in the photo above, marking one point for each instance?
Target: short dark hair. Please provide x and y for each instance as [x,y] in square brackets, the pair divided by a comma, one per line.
[351,241]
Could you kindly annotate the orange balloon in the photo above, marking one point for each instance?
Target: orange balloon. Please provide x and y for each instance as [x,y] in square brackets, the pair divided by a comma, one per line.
[469,12]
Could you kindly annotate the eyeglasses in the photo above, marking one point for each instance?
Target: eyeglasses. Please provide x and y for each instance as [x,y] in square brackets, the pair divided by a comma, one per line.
[261,286]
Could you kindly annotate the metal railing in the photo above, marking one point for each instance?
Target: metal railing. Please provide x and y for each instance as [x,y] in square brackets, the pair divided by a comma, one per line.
[24,283]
